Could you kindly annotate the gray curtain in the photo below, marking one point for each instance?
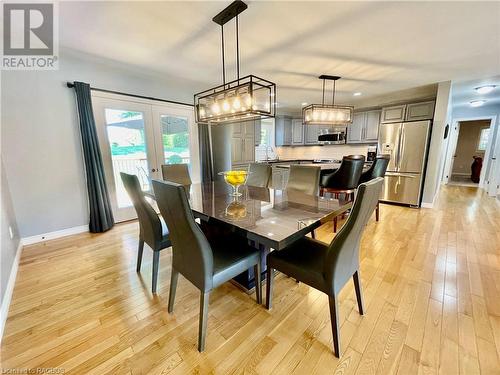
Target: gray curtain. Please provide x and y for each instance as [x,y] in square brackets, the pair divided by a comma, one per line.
[205,153]
[101,216]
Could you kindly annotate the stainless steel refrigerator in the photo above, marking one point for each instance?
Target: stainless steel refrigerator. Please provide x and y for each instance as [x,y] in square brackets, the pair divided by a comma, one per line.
[407,144]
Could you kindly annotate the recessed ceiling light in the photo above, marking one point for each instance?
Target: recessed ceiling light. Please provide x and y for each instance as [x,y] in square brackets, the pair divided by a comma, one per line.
[477,103]
[356,94]
[485,89]
[304,103]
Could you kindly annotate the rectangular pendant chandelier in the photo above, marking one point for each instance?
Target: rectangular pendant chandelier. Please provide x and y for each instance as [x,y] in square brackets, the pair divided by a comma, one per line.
[327,114]
[324,114]
[245,98]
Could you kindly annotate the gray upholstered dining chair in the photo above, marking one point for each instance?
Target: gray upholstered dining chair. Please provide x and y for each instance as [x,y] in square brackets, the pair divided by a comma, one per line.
[329,267]
[205,264]
[304,178]
[152,230]
[178,173]
[377,169]
[259,175]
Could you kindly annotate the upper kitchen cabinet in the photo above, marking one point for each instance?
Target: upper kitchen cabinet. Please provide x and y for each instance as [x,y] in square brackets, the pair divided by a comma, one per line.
[283,130]
[409,112]
[393,114]
[257,131]
[311,133]
[297,132]
[243,142]
[420,111]
[364,127]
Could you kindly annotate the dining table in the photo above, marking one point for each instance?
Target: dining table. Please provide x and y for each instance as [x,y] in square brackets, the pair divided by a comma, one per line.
[270,219]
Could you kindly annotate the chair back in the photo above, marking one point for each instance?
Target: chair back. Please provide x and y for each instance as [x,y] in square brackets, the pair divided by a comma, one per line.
[342,259]
[259,175]
[304,178]
[192,254]
[178,173]
[348,174]
[377,169]
[149,222]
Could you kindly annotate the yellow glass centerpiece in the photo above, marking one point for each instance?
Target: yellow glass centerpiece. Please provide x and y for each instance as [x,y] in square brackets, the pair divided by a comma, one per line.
[235,179]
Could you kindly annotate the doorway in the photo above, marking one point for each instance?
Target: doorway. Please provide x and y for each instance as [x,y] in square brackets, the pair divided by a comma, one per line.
[137,136]
[470,141]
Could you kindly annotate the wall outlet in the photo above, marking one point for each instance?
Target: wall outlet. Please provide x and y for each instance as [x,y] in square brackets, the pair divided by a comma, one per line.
[11,233]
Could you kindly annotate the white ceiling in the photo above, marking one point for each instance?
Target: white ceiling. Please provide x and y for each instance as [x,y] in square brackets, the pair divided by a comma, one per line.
[378,47]
[463,92]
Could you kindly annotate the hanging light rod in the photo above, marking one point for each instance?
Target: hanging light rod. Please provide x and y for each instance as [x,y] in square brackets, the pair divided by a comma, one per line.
[245,98]
[231,11]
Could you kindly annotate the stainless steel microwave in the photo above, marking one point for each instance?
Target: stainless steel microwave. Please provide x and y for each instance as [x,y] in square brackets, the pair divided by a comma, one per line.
[332,136]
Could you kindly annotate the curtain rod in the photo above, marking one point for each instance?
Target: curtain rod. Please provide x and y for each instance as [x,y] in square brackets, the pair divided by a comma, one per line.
[71,85]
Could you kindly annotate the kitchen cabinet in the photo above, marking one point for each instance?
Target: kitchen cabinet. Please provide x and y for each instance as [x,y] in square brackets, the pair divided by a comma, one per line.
[297,132]
[311,133]
[393,114]
[243,142]
[420,111]
[283,131]
[257,132]
[364,127]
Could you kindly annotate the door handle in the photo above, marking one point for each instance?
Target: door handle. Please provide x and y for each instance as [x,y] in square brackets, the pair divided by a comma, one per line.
[153,170]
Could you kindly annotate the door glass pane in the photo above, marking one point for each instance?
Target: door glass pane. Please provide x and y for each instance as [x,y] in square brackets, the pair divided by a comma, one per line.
[127,143]
[175,134]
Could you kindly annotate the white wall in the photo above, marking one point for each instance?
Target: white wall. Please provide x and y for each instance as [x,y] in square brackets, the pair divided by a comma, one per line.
[437,147]
[40,137]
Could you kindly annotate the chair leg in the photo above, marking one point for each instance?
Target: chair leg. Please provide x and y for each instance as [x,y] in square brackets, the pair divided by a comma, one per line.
[258,283]
[335,224]
[139,254]
[359,294]
[202,328]
[335,325]
[313,235]
[156,266]
[377,213]
[173,287]
[269,288]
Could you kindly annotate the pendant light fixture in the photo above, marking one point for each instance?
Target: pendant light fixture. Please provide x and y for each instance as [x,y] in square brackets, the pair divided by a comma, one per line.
[326,114]
[245,98]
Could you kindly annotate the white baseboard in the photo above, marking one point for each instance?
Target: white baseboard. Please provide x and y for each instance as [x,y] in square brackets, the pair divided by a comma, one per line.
[53,235]
[4,311]
[427,205]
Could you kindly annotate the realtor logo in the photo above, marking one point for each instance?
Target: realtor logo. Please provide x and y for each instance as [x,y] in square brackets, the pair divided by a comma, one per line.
[29,32]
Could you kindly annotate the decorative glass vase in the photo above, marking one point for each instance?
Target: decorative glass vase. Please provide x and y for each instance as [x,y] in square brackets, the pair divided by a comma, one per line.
[235,179]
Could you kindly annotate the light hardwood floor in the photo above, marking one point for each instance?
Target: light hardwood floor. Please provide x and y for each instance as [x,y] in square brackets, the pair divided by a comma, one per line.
[431,280]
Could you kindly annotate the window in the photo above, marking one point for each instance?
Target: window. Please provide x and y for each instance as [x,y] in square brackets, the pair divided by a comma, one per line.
[265,149]
[483,139]
[175,133]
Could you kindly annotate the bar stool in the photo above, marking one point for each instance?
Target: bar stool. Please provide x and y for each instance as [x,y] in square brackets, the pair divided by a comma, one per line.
[377,169]
[344,180]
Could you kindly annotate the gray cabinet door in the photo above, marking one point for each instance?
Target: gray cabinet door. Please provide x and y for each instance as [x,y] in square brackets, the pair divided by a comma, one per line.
[420,111]
[355,130]
[297,132]
[257,132]
[236,150]
[371,126]
[311,134]
[394,114]
[283,131]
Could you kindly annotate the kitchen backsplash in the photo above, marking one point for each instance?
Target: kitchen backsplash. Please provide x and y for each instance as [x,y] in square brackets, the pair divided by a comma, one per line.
[321,152]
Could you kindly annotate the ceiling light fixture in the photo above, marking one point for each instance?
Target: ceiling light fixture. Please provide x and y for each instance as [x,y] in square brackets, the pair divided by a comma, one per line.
[325,114]
[248,98]
[486,89]
[304,104]
[477,103]
[356,94]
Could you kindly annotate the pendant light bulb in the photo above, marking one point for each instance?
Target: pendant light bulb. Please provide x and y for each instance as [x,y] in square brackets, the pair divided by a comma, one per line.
[237,103]
[225,106]
[216,108]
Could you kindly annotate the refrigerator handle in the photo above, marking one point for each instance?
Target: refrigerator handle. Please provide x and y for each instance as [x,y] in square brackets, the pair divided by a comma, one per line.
[402,146]
[398,154]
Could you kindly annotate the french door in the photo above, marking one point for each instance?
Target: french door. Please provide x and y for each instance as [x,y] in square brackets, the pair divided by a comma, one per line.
[138,137]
